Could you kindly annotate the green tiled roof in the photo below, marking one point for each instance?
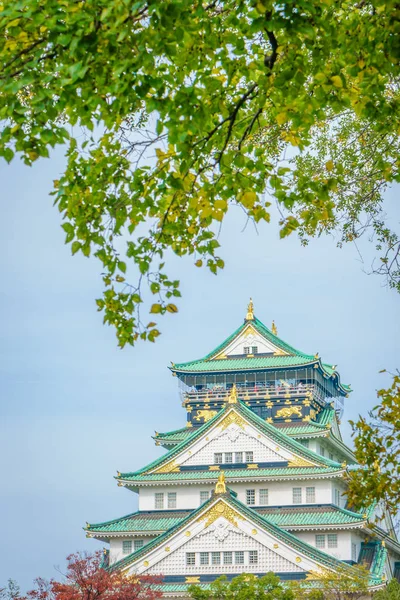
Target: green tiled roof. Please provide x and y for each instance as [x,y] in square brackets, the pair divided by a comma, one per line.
[287,517]
[230,475]
[140,521]
[276,434]
[293,358]
[294,542]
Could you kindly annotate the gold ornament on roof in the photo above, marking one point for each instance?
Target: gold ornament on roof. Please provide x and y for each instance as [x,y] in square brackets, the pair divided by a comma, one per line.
[233,395]
[274,328]
[289,411]
[250,311]
[220,487]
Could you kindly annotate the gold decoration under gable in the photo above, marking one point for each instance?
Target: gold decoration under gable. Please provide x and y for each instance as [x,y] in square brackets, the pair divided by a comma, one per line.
[192,579]
[250,311]
[313,413]
[220,487]
[146,563]
[289,411]
[297,461]
[221,509]
[252,466]
[279,352]
[207,415]
[170,467]
[232,417]
[232,397]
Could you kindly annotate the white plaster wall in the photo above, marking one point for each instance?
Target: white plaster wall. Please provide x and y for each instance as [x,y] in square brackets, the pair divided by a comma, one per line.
[345,539]
[279,493]
[116,546]
[268,560]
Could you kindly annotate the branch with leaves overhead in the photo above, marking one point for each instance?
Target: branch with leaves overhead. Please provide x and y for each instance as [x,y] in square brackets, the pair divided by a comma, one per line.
[175,111]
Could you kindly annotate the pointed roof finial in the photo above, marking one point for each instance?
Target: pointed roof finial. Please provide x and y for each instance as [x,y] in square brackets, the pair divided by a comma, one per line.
[274,328]
[233,396]
[250,311]
[220,487]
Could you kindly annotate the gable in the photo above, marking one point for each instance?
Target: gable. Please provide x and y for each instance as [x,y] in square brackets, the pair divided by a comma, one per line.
[220,527]
[249,338]
[234,433]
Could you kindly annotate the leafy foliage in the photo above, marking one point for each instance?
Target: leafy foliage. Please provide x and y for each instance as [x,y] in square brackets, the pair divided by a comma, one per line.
[343,584]
[174,111]
[85,579]
[390,592]
[377,448]
[244,587]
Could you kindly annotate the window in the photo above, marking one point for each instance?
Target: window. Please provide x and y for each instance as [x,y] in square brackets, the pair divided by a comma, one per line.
[228,558]
[297,495]
[330,455]
[171,499]
[320,541]
[215,558]
[239,558]
[263,497]
[249,457]
[218,458]
[332,540]
[354,552]
[238,457]
[305,443]
[228,457]
[137,544]
[254,349]
[159,500]
[336,497]
[322,451]
[204,496]
[204,558]
[250,496]
[246,349]
[190,558]
[253,557]
[310,495]
[126,547]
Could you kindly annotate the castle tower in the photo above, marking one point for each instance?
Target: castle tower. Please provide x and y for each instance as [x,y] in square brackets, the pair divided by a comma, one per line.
[255,481]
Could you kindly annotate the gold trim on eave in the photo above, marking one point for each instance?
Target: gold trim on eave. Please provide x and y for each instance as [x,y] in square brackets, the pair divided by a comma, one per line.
[170,467]
[300,462]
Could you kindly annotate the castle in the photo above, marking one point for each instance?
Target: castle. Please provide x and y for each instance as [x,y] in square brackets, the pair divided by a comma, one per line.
[256,480]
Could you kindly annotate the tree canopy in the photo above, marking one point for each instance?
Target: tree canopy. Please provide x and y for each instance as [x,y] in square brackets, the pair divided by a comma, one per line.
[175,111]
[244,587]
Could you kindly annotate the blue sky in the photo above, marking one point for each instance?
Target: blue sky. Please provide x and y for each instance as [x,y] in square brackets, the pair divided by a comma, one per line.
[75,409]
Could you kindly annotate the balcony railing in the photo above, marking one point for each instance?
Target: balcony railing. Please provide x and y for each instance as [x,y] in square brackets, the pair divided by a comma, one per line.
[253,392]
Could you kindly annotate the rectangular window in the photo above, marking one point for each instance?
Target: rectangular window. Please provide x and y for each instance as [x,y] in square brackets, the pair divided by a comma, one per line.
[263,497]
[249,457]
[228,558]
[354,552]
[246,349]
[137,544]
[238,457]
[310,495]
[228,457]
[126,547]
[322,451]
[159,500]
[297,495]
[239,558]
[204,558]
[171,499]
[305,443]
[336,496]
[332,540]
[320,541]
[204,496]
[218,458]
[253,557]
[190,558]
[254,349]
[215,558]
[250,496]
